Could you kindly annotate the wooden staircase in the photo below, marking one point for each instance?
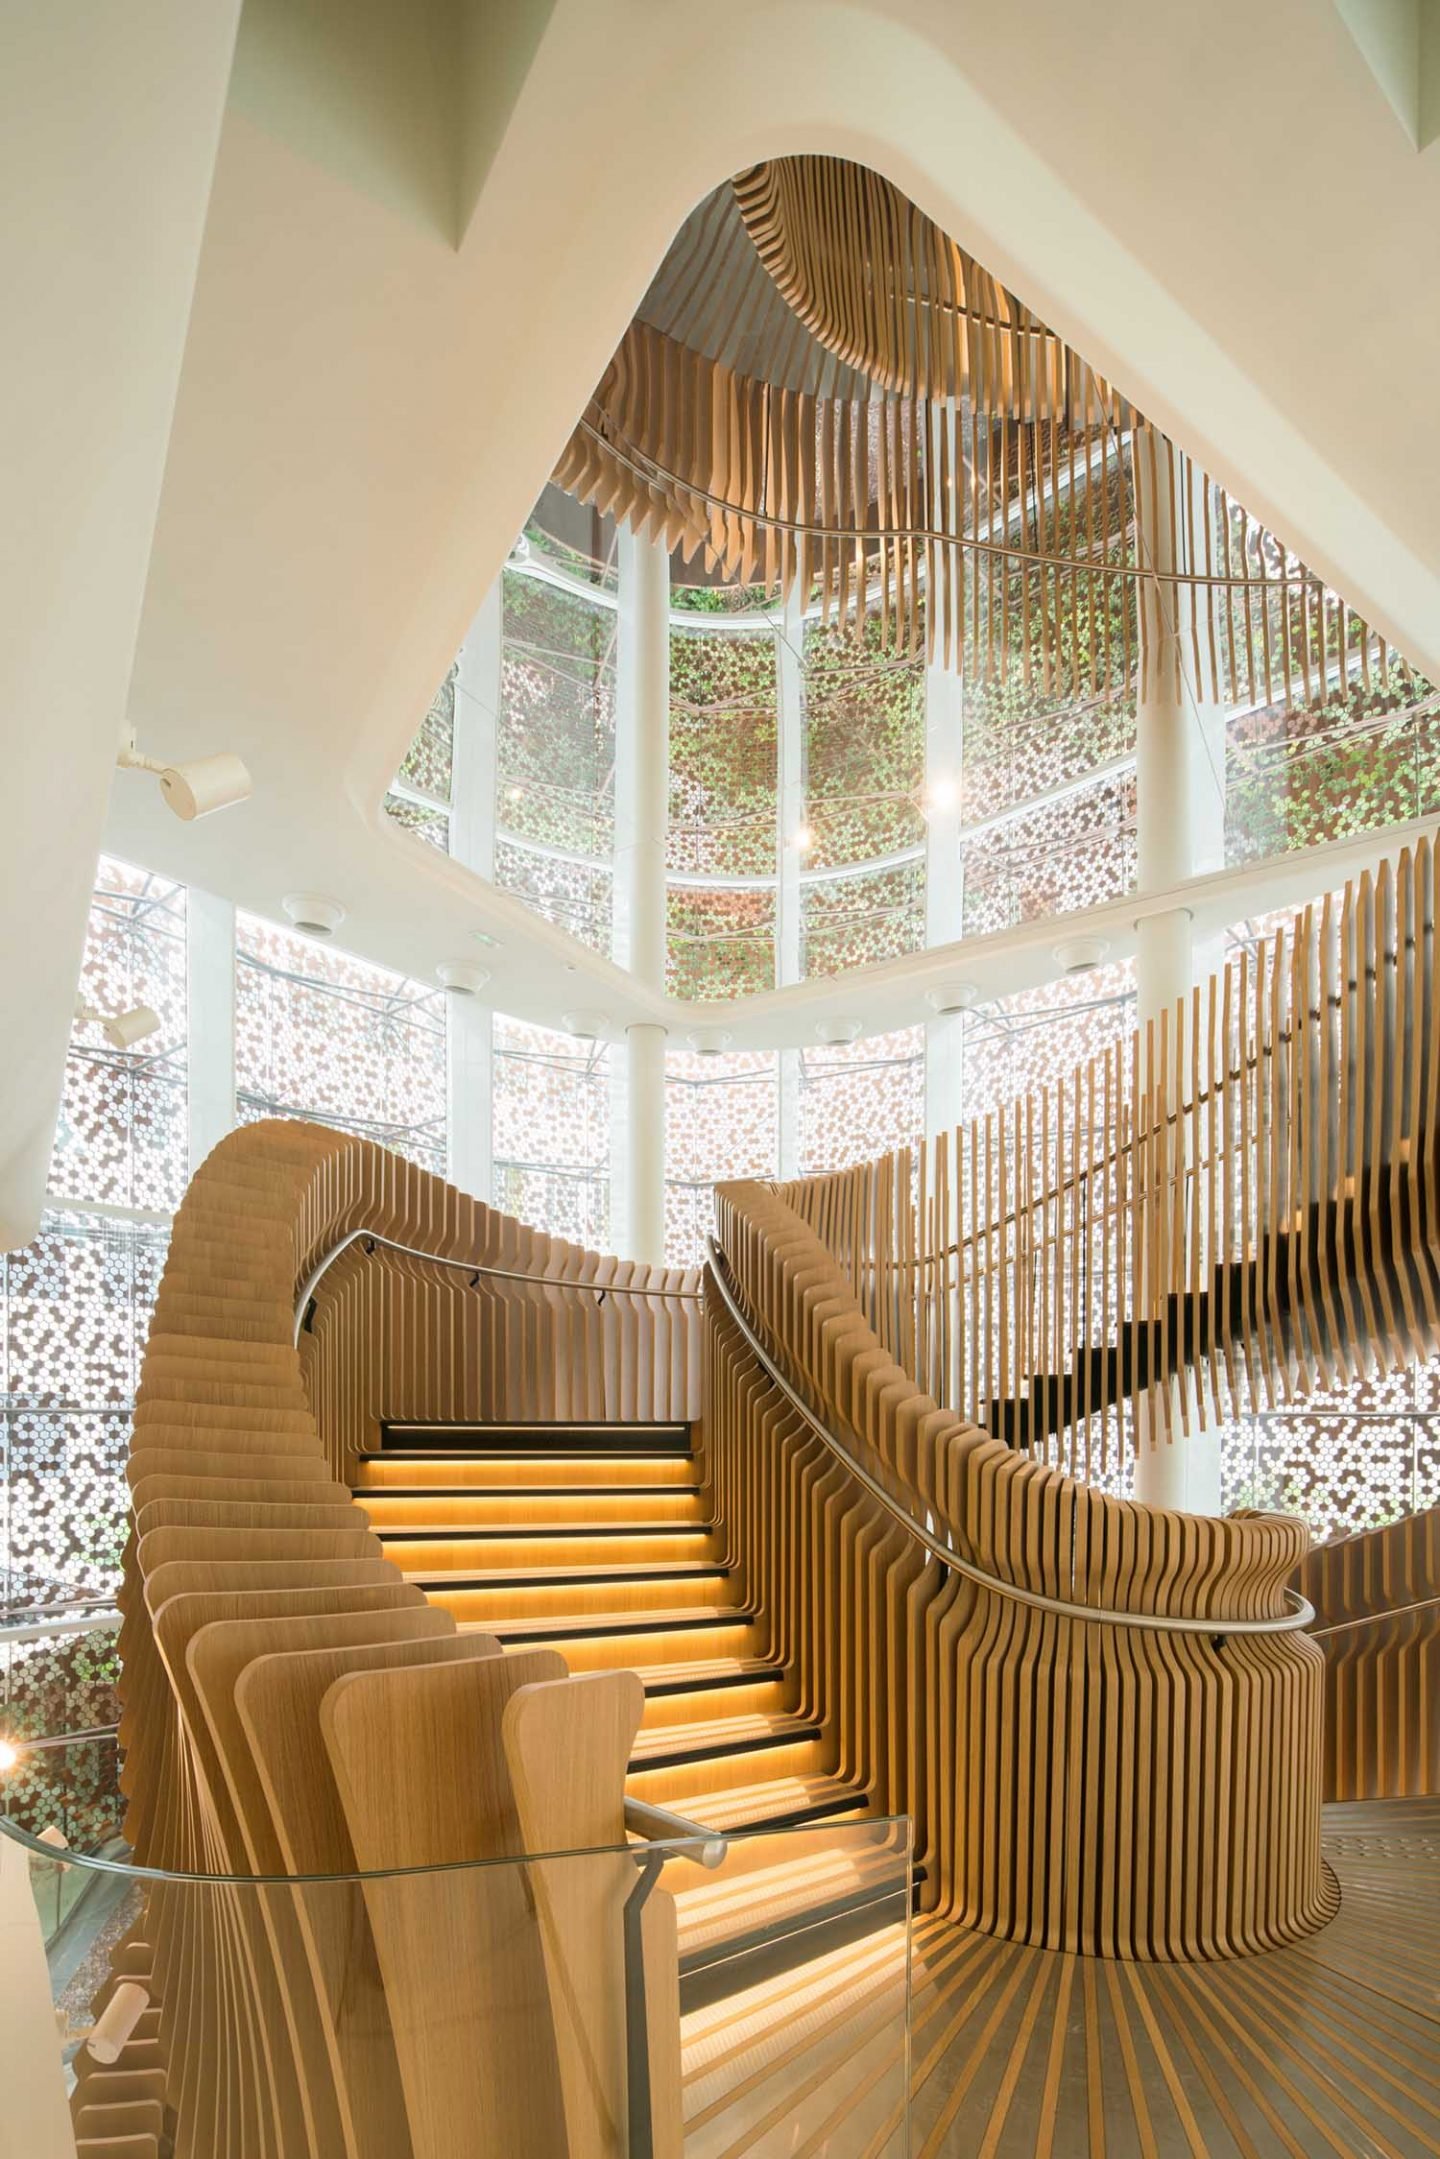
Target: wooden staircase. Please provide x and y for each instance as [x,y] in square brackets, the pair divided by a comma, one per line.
[1328,1242]
[593,1540]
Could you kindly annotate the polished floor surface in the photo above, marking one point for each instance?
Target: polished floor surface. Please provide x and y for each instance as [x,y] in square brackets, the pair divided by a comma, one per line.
[1332,2047]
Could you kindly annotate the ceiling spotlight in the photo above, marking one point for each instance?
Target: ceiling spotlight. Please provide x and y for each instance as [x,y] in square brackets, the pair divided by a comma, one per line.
[198,787]
[940,796]
[838,1030]
[802,838]
[709,1041]
[1079,954]
[952,996]
[462,977]
[589,1026]
[313,913]
[122,1029]
[9,1757]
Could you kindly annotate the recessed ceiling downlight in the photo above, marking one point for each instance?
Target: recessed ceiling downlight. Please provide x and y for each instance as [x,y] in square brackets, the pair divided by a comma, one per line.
[588,1025]
[463,978]
[953,996]
[1079,954]
[313,913]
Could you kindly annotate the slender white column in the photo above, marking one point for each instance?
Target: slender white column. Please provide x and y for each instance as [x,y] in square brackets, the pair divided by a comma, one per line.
[944,883]
[470,1095]
[790,777]
[469,1062]
[790,817]
[1180,833]
[477,721]
[644,1181]
[209,1020]
[642,796]
[642,758]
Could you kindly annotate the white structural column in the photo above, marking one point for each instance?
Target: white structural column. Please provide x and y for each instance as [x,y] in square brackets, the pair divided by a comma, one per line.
[1180,833]
[209,1020]
[643,1211]
[789,858]
[944,883]
[472,842]
[642,797]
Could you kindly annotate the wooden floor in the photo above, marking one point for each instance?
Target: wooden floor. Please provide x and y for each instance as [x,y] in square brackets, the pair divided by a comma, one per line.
[1331,2048]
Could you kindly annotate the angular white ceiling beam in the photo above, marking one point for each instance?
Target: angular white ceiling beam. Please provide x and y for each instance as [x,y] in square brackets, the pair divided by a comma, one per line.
[368,410]
[1400,42]
[109,122]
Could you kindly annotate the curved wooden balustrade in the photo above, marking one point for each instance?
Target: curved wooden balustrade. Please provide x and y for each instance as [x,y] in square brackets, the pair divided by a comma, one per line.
[1051,1764]
[292,1706]
[1377,1605]
[388,1334]
[1243,1196]
[1135,1792]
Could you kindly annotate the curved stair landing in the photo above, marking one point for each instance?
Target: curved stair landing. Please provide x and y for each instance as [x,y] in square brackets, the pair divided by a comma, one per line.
[1331,2048]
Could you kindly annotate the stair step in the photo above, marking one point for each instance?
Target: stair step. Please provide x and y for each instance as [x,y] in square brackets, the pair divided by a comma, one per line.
[662,1745]
[650,1642]
[588,1597]
[785,1803]
[509,1550]
[513,1439]
[413,1471]
[666,1682]
[685,1780]
[721,1699]
[534,1507]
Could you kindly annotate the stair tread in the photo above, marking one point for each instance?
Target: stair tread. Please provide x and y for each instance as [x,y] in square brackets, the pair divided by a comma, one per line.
[722,1673]
[543,1577]
[719,1734]
[514,1532]
[739,1806]
[525,1491]
[600,1624]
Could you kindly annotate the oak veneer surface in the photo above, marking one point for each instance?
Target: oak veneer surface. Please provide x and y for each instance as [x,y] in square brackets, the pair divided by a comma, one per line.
[252,1585]
[1051,1764]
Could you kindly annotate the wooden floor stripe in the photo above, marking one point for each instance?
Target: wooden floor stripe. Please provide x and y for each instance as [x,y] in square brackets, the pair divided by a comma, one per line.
[1329,2047]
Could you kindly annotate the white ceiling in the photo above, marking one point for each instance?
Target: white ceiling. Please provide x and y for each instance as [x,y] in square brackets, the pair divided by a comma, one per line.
[1215,205]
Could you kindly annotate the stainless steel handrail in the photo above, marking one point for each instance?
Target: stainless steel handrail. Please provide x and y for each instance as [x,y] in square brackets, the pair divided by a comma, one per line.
[1301,1612]
[466,1266]
[657,1825]
[1373,1619]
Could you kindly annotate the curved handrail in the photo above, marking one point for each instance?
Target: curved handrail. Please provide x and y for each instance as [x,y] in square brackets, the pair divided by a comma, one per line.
[657,1828]
[466,1266]
[1301,1613]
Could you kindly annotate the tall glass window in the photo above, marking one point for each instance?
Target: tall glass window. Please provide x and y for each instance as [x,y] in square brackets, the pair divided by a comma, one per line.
[724,801]
[323,1035]
[555,754]
[721,1121]
[551,1132]
[861,1099]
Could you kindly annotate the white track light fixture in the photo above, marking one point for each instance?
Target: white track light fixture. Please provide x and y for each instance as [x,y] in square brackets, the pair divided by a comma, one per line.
[122,1029]
[197,788]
